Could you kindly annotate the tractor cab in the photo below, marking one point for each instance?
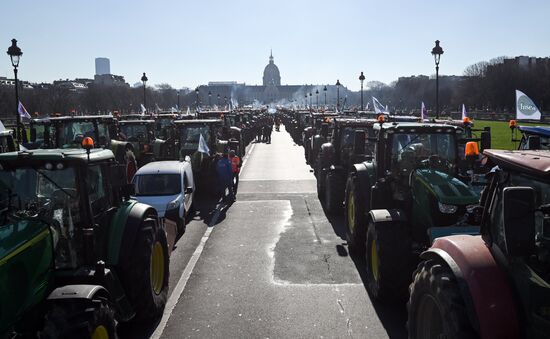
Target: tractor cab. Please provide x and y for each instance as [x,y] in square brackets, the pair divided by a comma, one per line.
[7,142]
[532,137]
[41,134]
[141,134]
[164,123]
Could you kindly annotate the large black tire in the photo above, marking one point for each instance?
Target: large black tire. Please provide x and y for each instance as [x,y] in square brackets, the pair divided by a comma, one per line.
[354,216]
[334,193]
[388,260]
[79,319]
[145,276]
[436,308]
[321,183]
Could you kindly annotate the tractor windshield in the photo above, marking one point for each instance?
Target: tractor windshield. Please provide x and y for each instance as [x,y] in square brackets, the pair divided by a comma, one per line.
[411,151]
[134,132]
[72,133]
[190,136]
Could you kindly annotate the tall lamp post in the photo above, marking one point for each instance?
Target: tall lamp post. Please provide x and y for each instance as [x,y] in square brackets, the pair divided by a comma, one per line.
[325,90]
[218,102]
[310,100]
[436,52]
[178,93]
[362,78]
[144,80]
[209,99]
[197,99]
[15,54]
[337,95]
[317,94]
[305,102]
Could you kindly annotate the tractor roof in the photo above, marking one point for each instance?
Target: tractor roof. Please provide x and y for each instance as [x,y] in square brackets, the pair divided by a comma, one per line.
[6,132]
[424,127]
[136,122]
[350,121]
[532,162]
[97,154]
[543,131]
[198,121]
[83,118]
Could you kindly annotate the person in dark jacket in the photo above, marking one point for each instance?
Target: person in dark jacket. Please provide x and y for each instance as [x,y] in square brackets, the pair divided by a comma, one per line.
[225,175]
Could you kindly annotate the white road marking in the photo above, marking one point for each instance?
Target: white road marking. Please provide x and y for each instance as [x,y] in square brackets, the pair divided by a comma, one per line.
[182,282]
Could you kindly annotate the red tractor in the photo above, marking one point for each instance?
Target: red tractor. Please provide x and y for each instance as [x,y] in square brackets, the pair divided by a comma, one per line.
[496,284]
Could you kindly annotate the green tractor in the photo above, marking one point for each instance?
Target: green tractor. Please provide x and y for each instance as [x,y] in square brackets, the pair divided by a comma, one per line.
[141,134]
[69,131]
[7,142]
[76,254]
[497,284]
[403,198]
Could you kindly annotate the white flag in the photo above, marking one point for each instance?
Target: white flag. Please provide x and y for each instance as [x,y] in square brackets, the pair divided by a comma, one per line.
[525,107]
[2,127]
[423,112]
[378,107]
[203,147]
[188,111]
[143,109]
[173,110]
[464,114]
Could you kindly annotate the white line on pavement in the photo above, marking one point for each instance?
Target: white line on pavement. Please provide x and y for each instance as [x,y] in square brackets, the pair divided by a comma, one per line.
[180,286]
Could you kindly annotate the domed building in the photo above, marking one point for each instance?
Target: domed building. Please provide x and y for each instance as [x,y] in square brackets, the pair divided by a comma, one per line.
[272,77]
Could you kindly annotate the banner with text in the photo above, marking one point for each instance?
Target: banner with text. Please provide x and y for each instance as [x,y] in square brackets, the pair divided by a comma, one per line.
[525,107]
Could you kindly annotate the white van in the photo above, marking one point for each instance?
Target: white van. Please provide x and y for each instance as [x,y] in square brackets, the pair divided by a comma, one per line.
[168,186]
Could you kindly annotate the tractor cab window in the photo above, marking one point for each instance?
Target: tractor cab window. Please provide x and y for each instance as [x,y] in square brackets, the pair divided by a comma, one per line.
[544,142]
[71,134]
[134,132]
[97,193]
[346,137]
[103,133]
[190,136]
[429,150]
[48,192]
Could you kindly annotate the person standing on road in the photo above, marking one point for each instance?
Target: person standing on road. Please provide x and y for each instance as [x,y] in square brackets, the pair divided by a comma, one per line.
[225,175]
[268,130]
[236,167]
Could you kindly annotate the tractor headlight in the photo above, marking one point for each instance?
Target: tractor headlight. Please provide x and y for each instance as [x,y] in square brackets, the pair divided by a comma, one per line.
[172,205]
[447,209]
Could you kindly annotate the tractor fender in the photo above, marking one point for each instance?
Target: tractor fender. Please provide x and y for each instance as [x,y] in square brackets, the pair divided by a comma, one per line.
[482,284]
[88,292]
[134,219]
[383,215]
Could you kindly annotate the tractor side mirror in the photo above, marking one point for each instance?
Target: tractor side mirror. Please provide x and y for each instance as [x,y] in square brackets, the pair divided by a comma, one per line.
[533,142]
[485,139]
[519,220]
[33,134]
[359,142]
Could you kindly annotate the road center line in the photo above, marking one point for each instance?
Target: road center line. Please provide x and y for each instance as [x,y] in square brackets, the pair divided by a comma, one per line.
[182,282]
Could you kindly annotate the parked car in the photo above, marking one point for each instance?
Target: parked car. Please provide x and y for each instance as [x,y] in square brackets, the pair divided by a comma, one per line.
[169,187]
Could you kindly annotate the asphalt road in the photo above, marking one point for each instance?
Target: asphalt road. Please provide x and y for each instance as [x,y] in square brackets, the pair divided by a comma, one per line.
[271,265]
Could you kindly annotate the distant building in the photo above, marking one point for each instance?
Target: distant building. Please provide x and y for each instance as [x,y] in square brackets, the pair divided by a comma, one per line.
[77,85]
[272,77]
[102,66]
[110,80]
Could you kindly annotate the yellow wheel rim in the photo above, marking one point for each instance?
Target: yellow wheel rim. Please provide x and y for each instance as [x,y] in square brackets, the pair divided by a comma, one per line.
[157,268]
[351,212]
[374,260]
[100,332]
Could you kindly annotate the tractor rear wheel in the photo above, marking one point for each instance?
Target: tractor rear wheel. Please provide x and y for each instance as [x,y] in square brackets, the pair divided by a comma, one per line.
[388,260]
[145,277]
[354,216]
[321,184]
[334,192]
[80,319]
[436,308]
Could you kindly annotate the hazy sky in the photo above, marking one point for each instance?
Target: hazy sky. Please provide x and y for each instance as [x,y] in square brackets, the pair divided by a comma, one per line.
[187,43]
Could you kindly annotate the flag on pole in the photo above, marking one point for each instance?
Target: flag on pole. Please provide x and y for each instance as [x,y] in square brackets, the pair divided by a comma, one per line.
[22,111]
[173,110]
[143,109]
[526,108]
[423,112]
[188,111]
[464,114]
[2,127]
[378,107]
[203,147]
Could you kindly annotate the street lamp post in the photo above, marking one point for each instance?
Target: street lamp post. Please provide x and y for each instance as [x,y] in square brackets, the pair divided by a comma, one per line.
[218,102]
[337,95]
[197,99]
[305,102]
[436,52]
[325,90]
[15,54]
[209,99]
[362,78]
[144,80]
[310,100]
[178,93]
[317,94]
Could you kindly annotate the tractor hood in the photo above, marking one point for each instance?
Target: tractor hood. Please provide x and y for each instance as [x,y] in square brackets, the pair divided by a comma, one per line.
[446,188]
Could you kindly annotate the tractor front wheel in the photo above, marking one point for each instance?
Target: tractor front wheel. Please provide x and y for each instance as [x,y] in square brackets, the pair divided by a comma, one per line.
[334,192]
[145,277]
[436,308]
[388,260]
[80,319]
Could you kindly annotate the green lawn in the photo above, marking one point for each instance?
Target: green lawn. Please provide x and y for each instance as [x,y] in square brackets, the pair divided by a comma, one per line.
[501,134]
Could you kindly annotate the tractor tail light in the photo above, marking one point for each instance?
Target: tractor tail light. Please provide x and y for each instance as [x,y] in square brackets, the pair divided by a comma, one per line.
[471,149]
